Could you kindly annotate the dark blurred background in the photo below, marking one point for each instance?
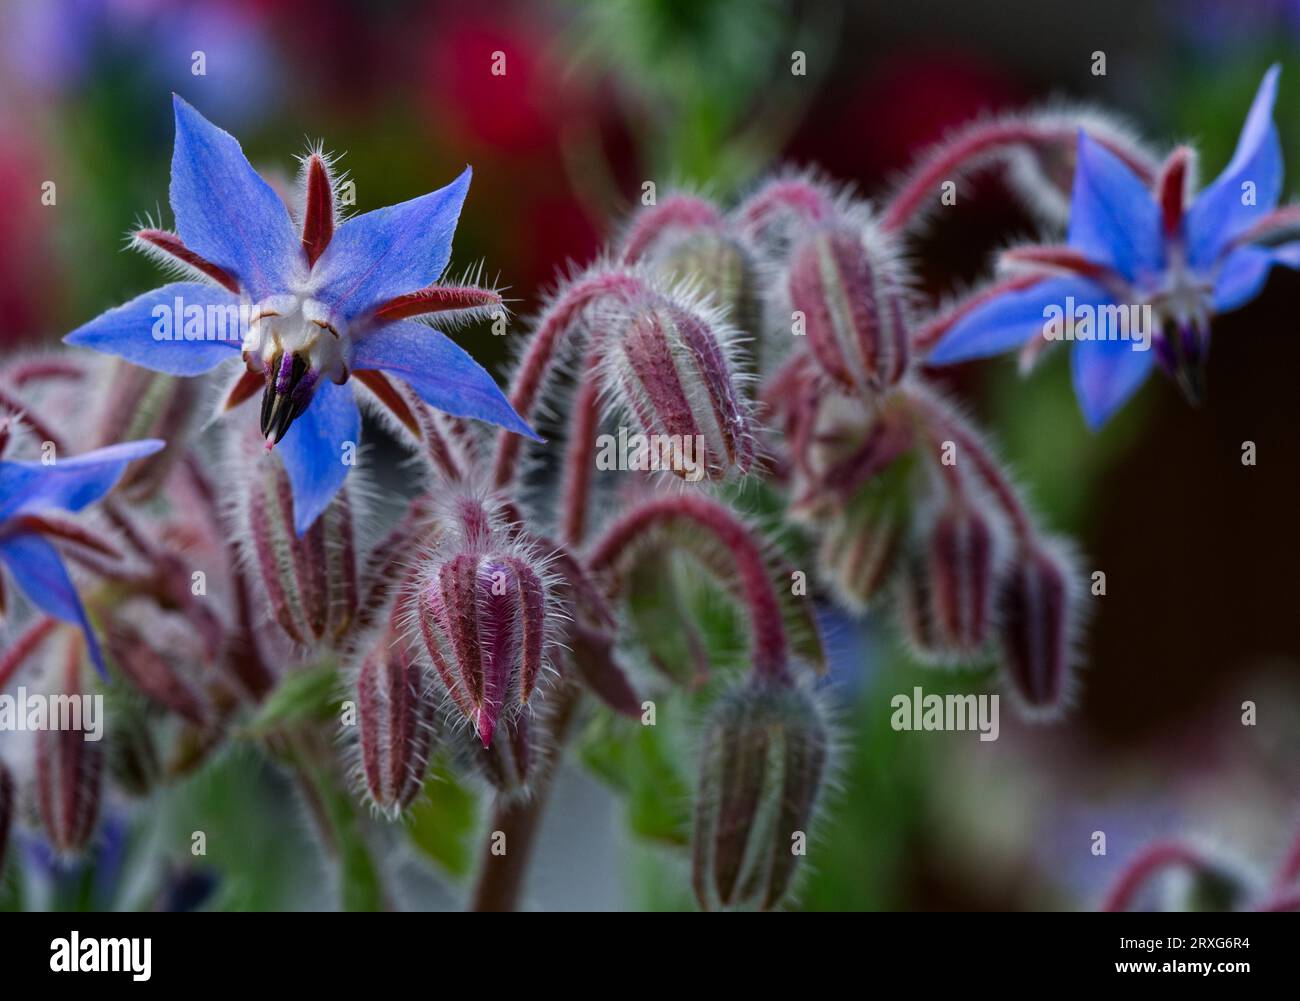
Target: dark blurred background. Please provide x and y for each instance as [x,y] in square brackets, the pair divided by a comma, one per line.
[1200,552]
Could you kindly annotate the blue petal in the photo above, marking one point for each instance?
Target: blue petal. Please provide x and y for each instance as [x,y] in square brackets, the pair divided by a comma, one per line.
[41,575]
[440,371]
[226,212]
[1010,320]
[1113,218]
[1218,215]
[70,484]
[1242,277]
[1106,374]
[390,251]
[313,451]
[136,332]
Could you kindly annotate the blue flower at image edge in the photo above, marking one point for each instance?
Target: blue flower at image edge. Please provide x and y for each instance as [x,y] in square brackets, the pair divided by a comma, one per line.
[319,300]
[29,488]
[1128,245]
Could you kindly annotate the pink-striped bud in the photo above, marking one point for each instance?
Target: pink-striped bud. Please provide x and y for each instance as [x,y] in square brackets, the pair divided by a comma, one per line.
[69,780]
[963,559]
[1035,624]
[8,795]
[396,714]
[763,758]
[309,582]
[485,611]
[669,365]
[852,308]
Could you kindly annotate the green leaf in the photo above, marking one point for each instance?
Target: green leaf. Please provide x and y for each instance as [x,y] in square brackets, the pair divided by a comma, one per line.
[444,820]
[643,762]
[312,695]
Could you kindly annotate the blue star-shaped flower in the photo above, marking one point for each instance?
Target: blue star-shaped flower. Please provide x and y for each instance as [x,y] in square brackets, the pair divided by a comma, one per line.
[1129,246]
[29,488]
[319,304]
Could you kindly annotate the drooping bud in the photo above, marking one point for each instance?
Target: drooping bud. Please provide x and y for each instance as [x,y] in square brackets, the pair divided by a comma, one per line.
[763,758]
[484,609]
[7,798]
[310,582]
[396,713]
[962,551]
[1034,627]
[852,308]
[669,365]
[145,404]
[69,779]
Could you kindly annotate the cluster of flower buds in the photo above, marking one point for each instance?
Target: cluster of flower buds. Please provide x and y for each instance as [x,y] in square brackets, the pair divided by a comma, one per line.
[762,765]
[908,503]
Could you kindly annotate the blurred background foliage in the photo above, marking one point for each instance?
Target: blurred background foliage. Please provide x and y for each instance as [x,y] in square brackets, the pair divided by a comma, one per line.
[1200,552]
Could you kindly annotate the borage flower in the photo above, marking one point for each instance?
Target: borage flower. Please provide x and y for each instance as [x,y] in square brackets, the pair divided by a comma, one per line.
[28,490]
[323,303]
[1187,259]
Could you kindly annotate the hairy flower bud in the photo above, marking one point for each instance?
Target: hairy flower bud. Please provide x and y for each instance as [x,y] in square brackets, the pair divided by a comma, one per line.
[668,364]
[1034,627]
[485,612]
[962,549]
[763,758]
[852,309]
[69,773]
[396,714]
[310,582]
